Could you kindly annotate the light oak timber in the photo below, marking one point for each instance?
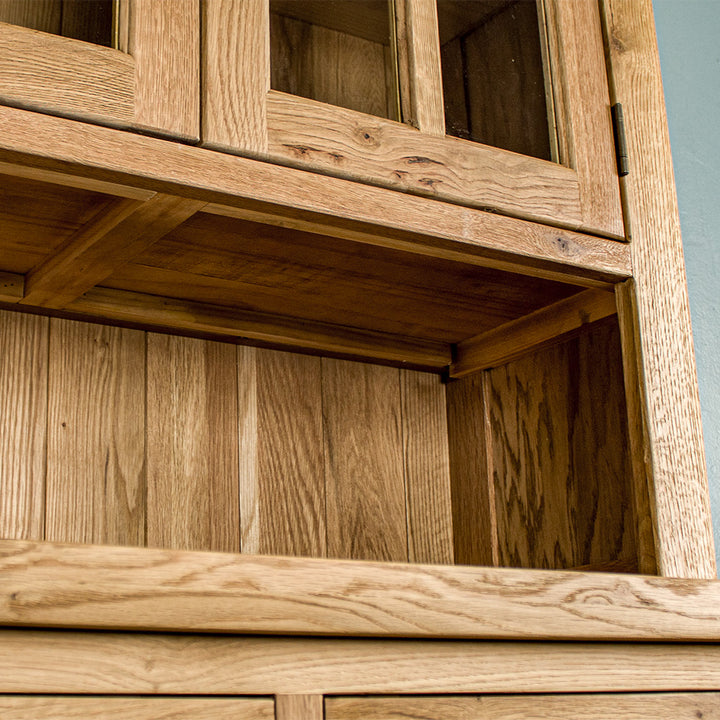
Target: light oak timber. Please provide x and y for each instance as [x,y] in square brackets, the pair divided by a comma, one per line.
[299,707]
[52,585]
[575,30]
[387,153]
[96,474]
[228,322]
[75,181]
[23,430]
[386,218]
[164,42]
[518,337]
[43,707]
[35,661]
[12,287]
[427,468]
[114,236]
[50,73]
[679,488]
[192,444]
[236,75]
[656,706]
[419,47]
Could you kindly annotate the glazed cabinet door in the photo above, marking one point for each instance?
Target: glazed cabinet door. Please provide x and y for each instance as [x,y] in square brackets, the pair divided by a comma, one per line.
[125,63]
[491,103]
[646,706]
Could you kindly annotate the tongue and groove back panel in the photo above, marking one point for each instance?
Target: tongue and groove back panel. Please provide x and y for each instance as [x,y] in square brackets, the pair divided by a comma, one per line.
[126,437]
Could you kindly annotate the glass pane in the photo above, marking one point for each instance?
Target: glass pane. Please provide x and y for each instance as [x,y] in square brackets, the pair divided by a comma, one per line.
[88,20]
[495,82]
[335,51]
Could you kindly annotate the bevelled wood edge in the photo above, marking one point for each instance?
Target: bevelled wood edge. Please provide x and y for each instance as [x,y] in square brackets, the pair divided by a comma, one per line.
[664,349]
[118,588]
[381,216]
[517,337]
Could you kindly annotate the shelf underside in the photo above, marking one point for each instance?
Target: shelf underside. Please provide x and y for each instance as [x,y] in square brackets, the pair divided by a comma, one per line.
[192,270]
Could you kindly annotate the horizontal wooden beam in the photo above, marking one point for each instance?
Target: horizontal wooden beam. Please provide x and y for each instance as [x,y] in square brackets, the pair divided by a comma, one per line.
[116,234]
[382,216]
[520,336]
[290,332]
[53,585]
[57,662]
[12,287]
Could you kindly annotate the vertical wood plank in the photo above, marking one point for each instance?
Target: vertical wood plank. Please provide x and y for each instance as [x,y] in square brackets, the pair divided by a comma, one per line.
[290,470]
[96,435]
[23,422]
[236,75]
[575,32]
[363,462]
[427,468]
[640,441]
[43,15]
[665,357]
[473,492]
[420,70]
[299,707]
[164,40]
[248,485]
[192,449]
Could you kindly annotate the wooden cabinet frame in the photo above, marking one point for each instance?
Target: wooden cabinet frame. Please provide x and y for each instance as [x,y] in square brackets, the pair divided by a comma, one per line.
[242,114]
[150,84]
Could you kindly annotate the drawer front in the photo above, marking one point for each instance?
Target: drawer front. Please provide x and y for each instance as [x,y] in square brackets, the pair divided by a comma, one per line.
[646,706]
[49,707]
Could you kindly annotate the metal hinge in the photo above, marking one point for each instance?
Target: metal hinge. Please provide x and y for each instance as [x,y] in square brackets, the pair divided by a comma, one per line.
[621,152]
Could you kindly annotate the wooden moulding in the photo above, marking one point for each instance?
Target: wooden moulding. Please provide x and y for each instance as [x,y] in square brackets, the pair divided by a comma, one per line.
[53,585]
[33,661]
[518,337]
[308,201]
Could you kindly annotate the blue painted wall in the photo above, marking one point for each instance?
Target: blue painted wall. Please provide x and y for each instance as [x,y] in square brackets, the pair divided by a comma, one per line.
[688,32]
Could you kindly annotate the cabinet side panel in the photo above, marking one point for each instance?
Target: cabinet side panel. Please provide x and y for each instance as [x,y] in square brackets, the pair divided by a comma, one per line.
[290,471]
[427,468]
[23,421]
[363,461]
[473,504]
[561,458]
[192,435]
[96,435]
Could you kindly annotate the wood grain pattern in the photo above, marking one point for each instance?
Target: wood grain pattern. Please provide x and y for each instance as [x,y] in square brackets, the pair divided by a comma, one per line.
[427,468]
[236,75]
[576,29]
[88,21]
[139,708]
[520,336]
[290,462]
[23,413]
[43,15]
[122,588]
[560,457]
[284,195]
[96,435]
[111,238]
[67,662]
[299,707]
[679,491]
[364,480]
[353,145]
[419,48]
[228,322]
[474,519]
[192,444]
[164,42]
[660,706]
[54,74]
